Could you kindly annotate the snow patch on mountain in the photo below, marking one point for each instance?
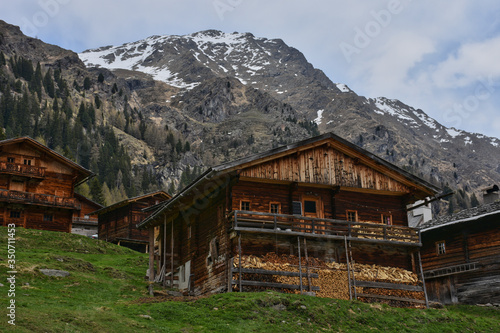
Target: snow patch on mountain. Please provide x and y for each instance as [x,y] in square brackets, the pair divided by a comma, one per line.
[342,87]
[319,117]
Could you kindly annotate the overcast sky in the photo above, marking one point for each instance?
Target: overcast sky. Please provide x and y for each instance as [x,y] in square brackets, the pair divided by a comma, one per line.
[440,56]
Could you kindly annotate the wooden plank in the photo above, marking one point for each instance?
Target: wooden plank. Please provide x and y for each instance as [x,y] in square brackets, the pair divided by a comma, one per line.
[269,272]
[271,285]
[392,298]
[388,285]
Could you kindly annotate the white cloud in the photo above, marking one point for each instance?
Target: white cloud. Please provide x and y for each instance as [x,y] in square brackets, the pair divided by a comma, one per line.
[471,62]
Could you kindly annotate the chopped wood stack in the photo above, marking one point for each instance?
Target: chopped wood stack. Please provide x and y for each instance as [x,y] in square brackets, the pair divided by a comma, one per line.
[332,277]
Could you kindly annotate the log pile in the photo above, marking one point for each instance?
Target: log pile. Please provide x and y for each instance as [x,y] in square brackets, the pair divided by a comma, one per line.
[332,277]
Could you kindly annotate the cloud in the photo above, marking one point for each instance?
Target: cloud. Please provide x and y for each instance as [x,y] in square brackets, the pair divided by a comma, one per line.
[471,62]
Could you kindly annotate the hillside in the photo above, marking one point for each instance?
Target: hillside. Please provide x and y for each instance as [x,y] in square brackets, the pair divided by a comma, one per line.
[106,292]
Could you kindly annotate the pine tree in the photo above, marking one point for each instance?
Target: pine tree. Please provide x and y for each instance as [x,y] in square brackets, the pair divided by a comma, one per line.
[86,83]
[96,191]
[48,84]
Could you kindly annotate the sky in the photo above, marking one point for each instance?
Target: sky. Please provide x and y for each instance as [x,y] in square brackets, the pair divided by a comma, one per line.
[439,56]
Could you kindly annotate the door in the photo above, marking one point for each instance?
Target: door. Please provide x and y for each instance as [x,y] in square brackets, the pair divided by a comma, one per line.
[313,208]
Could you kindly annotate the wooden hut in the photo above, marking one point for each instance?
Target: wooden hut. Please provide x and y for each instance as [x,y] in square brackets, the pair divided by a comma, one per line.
[37,186]
[274,220]
[117,222]
[461,256]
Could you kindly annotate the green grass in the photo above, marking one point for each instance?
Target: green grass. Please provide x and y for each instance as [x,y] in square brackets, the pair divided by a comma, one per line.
[106,292]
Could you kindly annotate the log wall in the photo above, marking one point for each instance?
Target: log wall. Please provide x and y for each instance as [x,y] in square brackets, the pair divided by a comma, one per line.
[476,242]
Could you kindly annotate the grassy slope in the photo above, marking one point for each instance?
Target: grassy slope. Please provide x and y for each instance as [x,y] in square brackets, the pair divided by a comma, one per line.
[106,292]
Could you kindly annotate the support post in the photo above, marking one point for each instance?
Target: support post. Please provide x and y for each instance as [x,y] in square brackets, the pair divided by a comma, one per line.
[348,268]
[151,234]
[423,280]
[300,266]
[309,281]
[239,253]
[230,275]
[164,250]
[172,257]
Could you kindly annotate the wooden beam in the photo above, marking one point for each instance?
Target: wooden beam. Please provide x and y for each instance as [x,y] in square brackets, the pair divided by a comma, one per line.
[272,285]
[387,285]
[269,272]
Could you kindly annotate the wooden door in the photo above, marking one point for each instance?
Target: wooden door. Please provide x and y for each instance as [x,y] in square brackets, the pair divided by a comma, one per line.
[312,208]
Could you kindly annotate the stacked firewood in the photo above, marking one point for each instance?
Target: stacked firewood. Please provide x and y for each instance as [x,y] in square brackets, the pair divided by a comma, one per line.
[332,277]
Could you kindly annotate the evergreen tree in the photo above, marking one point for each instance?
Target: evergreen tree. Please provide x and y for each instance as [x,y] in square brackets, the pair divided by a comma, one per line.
[86,83]
[48,84]
[96,191]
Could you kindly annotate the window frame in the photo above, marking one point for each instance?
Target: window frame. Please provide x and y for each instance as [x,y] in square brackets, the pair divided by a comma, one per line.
[277,205]
[350,211]
[15,214]
[242,202]
[440,247]
[383,217]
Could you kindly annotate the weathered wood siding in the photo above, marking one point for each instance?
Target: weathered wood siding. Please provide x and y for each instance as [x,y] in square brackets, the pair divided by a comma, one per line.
[32,217]
[473,242]
[370,207]
[324,165]
[207,247]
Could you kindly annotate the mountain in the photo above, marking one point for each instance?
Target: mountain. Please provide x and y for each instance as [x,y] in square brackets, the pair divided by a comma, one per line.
[210,75]
[176,105]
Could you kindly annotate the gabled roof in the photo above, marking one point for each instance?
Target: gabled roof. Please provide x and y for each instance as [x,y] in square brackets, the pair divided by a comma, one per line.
[83,173]
[341,144]
[329,138]
[125,202]
[466,215]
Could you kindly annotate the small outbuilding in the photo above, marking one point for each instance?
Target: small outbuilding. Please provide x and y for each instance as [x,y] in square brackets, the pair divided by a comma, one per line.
[117,222]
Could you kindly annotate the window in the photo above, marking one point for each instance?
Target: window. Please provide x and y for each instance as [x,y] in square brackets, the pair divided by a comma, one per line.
[387,219]
[297,208]
[352,215]
[245,205]
[440,247]
[48,217]
[189,232]
[27,162]
[274,208]
[11,160]
[15,214]
[309,206]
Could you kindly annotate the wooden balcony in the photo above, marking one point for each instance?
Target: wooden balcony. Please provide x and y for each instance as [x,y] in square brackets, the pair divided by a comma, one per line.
[22,170]
[38,199]
[249,221]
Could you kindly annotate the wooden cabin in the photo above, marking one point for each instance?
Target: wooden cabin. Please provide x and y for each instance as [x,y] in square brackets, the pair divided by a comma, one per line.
[117,223]
[37,186]
[83,223]
[322,202]
[461,256]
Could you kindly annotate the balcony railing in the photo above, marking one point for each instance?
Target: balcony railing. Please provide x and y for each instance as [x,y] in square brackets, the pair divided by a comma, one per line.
[323,228]
[22,169]
[38,198]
